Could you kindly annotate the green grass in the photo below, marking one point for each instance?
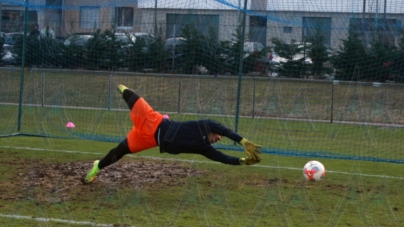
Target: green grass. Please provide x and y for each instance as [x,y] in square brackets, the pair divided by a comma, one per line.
[264,97]
[194,97]
[276,135]
[221,196]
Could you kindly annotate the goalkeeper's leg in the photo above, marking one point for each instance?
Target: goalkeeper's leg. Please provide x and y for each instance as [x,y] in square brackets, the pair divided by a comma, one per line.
[128,95]
[113,156]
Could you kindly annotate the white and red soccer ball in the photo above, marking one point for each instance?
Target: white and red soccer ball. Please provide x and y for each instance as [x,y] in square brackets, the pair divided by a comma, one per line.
[314,171]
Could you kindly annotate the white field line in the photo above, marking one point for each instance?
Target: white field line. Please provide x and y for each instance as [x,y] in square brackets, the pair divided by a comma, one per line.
[15,216]
[210,162]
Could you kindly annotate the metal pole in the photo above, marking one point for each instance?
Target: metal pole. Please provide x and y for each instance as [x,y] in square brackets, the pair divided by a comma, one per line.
[384,13]
[377,15]
[240,70]
[384,19]
[173,53]
[24,47]
[155,18]
[364,10]
[109,90]
[363,21]
[63,18]
[239,6]
[1,13]
[253,107]
[332,101]
[179,97]
[43,89]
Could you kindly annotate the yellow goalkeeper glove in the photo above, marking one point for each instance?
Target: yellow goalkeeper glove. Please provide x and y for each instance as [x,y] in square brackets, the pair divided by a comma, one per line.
[251,149]
[248,161]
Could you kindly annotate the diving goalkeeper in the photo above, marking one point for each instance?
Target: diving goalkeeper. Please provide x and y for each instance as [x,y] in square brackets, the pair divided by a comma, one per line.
[150,129]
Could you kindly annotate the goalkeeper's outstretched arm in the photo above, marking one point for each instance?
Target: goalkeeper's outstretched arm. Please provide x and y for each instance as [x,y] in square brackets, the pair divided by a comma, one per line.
[250,148]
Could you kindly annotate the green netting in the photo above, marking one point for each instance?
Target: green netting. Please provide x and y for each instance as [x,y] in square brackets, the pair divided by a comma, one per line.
[305,78]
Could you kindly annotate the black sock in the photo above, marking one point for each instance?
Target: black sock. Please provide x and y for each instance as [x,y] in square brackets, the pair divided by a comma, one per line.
[130,97]
[114,154]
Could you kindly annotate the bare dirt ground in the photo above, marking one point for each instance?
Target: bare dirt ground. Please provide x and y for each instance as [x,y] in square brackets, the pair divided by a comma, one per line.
[56,181]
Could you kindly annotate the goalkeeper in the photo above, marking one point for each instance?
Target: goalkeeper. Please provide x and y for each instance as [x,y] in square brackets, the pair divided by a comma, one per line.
[150,129]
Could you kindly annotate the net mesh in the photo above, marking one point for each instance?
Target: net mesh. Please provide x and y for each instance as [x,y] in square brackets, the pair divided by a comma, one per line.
[304,78]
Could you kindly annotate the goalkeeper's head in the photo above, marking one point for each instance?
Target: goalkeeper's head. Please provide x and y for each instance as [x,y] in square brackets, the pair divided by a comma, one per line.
[214,137]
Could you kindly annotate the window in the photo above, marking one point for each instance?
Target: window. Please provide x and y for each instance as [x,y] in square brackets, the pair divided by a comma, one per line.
[54,2]
[287,29]
[89,17]
[124,16]
[258,29]
[310,24]
[13,20]
[205,23]
[371,24]
[256,21]
[386,30]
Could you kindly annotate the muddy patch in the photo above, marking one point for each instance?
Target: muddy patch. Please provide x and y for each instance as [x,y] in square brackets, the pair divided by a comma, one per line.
[44,181]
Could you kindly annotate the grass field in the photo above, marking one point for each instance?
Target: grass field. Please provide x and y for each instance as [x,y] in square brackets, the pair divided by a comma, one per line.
[267,107]
[40,182]
[277,136]
[40,186]
[260,97]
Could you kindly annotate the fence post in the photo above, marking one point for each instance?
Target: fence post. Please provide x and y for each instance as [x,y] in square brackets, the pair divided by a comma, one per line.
[332,100]
[109,91]
[43,89]
[240,70]
[179,96]
[253,107]
[24,47]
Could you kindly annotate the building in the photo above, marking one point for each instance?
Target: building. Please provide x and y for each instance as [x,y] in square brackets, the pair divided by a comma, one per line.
[287,20]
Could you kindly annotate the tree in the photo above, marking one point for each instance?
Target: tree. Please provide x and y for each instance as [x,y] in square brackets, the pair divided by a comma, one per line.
[44,51]
[317,52]
[215,60]
[133,54]
[72,54]
[397,59]
[348,60]
[379,61]
[292,67]
[94,50]
[2,41]
[231,50]
[194,49]
[111,53]
[235,47]
[156,55]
